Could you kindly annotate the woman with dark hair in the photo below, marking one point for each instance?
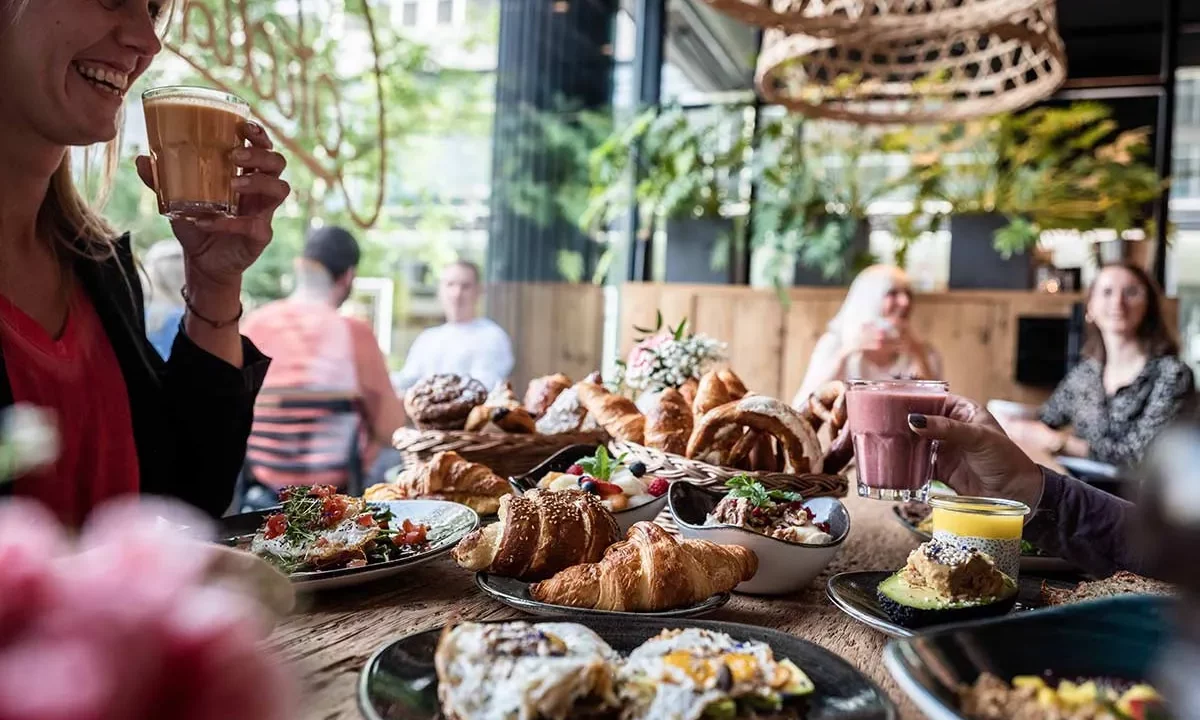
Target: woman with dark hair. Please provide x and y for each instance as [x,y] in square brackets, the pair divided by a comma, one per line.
[1130,383]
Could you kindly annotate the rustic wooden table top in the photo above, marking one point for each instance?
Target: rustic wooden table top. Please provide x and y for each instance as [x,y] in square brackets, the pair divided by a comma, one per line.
[331,637]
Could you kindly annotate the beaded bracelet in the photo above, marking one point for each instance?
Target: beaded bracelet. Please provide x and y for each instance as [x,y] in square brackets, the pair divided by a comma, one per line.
[215,324]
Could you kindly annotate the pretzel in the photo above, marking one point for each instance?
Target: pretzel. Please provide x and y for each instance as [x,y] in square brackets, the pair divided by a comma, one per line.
[797,439]
[827,405]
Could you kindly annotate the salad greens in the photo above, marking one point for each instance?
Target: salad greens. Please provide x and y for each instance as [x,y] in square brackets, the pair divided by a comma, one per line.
[744,486]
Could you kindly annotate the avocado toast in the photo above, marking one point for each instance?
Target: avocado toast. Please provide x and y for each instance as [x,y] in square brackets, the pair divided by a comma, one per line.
[942,583]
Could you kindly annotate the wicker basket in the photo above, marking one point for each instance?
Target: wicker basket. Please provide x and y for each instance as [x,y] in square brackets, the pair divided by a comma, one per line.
[506,454]
[676,467]
[873,18]
[946,76]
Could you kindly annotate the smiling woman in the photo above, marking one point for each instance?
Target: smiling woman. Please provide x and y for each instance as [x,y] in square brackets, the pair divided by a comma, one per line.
[72,334]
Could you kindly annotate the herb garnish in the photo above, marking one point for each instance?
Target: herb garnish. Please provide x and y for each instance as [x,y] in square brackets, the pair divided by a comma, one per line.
[746,487]
[601,466]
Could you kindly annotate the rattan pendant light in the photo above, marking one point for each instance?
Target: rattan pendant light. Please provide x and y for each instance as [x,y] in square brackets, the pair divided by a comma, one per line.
[952,75]
[877,18]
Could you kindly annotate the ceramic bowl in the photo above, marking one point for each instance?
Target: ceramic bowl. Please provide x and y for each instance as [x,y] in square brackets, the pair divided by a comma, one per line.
[565,458]
[783,567]
[1119,638]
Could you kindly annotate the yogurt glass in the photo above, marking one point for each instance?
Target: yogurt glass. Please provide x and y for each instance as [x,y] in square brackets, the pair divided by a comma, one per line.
[990,525]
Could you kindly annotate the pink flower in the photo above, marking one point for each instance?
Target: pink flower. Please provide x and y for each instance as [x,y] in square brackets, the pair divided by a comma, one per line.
[642,354]
[123,627]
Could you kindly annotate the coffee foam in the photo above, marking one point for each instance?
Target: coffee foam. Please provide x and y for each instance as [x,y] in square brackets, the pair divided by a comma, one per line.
[228,107]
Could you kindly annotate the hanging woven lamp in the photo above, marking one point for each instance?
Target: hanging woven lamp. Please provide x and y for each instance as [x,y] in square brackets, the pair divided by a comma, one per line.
[876,18]
[936,77]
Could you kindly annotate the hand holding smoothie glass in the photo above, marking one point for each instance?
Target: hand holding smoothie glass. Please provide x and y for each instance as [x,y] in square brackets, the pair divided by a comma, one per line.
[893,462]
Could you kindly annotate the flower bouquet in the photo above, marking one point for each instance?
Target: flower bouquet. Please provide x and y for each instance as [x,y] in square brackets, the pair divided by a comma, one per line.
[667,357]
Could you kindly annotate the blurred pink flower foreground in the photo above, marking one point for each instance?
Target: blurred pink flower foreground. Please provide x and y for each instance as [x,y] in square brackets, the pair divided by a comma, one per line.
[120,625]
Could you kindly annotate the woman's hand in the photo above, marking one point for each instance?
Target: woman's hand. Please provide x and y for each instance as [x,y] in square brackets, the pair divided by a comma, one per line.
[218,250]
[976,457]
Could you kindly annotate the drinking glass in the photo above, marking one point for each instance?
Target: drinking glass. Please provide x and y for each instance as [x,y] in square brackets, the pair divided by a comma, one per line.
[894,463]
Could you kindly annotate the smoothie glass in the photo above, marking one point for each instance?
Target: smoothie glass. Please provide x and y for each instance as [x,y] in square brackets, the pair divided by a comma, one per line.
[893,462]
[192,133]
[990,525]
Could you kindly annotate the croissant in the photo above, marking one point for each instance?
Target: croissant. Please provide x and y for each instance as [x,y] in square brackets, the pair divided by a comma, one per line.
[710,394]
[669,423]
[801,449]
[733,383]
[650,571]
[543,391]
[492,418]
[617,414]
[540,533]
[447,476]
[688,390]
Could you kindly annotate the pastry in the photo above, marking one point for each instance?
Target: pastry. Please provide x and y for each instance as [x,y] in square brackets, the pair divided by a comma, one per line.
[650,571]
[798,441]
[711,393]
[550,671]
[447,476]
[565,414]
[839,454]
[492,418]
[688,390]
[543,391]
[1122,583]
[669,423]
[503,396]
[540,533]
[443,402]
[733,383]
[826,406]
[617,414]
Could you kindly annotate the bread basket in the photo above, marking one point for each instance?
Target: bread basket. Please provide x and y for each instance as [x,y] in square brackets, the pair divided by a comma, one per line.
[507,454]
[677,467]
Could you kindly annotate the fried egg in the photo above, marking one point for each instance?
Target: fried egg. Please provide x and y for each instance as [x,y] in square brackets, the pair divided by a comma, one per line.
[684,674]
[523,671]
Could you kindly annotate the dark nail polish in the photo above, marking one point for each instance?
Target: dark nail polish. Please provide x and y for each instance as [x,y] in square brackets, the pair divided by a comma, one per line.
[917,420]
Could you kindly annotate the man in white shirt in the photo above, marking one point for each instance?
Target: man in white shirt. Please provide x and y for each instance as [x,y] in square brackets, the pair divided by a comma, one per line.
[466,344]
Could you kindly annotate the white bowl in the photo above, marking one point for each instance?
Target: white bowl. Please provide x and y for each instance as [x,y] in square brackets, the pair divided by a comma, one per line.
[783,567]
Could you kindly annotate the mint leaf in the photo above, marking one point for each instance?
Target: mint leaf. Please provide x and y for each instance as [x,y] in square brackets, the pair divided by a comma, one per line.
[746,487]
[785,496]
[600,466]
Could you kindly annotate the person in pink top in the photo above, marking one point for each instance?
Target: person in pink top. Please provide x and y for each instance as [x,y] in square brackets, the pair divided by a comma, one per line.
[328,384]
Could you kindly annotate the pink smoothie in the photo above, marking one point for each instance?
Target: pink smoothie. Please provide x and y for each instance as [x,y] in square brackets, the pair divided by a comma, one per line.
[889,455]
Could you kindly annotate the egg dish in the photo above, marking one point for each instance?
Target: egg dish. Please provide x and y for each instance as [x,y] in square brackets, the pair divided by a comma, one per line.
[1030,697]
[698,674]
[522,671]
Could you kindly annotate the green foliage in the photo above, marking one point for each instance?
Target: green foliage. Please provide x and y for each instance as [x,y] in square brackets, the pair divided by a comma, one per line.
[749,489]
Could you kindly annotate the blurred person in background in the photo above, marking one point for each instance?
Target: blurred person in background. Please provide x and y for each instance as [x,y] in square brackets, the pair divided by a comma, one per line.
[1129,385]
[871,337]
[72,317]
[466,345]
[163,264]
[318,350]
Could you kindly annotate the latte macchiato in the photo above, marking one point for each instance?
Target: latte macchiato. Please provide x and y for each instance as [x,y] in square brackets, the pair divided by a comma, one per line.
[192,133]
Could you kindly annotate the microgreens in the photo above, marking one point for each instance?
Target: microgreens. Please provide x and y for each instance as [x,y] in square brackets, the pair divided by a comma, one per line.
[746,487]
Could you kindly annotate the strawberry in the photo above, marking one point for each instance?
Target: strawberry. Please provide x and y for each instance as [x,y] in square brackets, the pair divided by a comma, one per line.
[657,487]
[576,469]
[605,489]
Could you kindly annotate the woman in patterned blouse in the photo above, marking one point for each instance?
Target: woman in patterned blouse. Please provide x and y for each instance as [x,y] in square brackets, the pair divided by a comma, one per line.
[1130,383]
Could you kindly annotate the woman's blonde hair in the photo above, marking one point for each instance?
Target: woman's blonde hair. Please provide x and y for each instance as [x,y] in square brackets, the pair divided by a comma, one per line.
[864,300]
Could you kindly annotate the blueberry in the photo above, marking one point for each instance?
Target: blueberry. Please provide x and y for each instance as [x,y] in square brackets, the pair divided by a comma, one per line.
[638,469]
[590,486]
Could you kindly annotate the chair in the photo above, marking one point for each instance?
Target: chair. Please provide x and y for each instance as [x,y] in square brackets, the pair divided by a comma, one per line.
[302,433]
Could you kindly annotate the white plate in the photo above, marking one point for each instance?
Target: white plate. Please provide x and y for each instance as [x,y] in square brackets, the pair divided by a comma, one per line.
[448,523]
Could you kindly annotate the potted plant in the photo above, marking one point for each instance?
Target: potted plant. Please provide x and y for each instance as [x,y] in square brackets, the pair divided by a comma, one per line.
[691,167]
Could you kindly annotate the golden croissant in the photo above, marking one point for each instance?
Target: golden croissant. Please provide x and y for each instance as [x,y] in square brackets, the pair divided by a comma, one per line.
[617,414]
[447,476]
[650,571]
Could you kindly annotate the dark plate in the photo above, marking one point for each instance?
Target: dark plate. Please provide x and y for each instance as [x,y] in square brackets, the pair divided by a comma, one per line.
[1029,563]
[854,594]
[448,522]
[558,462]
[515,593]
[1118,638]
[399,682]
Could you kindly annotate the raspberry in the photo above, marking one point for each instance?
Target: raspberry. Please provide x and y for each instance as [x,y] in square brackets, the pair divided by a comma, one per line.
[575,469]
[657,487]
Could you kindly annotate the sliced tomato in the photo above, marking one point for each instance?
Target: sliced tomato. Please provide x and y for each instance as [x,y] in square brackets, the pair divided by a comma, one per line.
[276,526]
[366,520]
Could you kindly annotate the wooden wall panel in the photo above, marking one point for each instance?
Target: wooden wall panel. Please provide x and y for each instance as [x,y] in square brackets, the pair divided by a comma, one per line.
[752,327]
[805,323]
[554,327]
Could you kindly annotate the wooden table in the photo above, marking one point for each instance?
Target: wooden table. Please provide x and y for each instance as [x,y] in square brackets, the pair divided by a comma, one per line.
[330,638]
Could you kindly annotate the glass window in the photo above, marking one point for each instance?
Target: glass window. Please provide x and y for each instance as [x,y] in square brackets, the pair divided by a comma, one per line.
[408,14]
[445,12]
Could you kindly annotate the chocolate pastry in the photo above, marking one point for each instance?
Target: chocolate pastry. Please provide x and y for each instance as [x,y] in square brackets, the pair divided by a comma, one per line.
[443,402]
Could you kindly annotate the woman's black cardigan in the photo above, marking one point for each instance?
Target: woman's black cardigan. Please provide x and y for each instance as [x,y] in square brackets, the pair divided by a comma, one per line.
[192,413]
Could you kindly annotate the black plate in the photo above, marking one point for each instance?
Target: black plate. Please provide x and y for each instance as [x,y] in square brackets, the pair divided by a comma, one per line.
[515,593]
[1117,638]
[558,462]
[399,682]
[854,594]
